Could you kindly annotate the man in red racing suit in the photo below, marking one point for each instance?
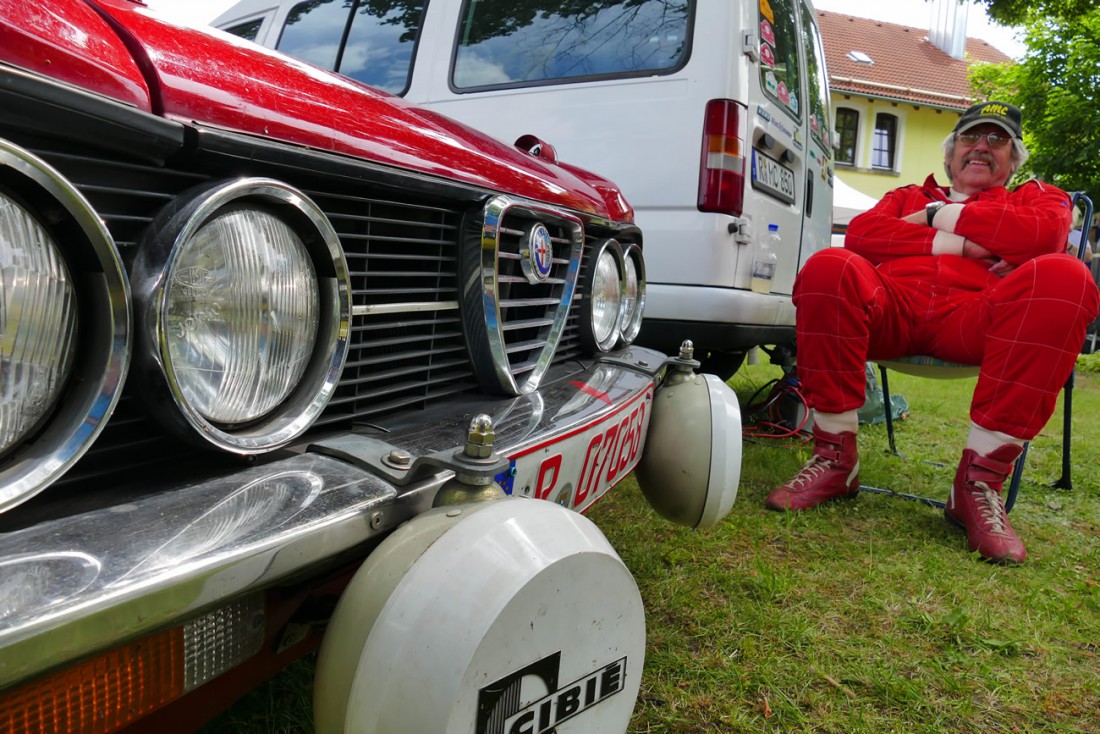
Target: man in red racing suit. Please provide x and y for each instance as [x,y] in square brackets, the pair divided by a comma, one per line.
[973,273]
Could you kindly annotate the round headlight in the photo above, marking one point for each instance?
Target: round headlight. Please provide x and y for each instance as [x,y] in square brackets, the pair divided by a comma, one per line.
[603,304]
[60,375]
[242,309]
[633,293]
[37,323]
[243,291]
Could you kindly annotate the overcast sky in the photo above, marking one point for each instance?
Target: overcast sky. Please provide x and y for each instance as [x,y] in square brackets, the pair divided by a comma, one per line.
[913,13]
[918,14]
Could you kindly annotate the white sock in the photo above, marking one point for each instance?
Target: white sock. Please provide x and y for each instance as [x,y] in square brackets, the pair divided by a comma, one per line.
[983,441]
[848,421]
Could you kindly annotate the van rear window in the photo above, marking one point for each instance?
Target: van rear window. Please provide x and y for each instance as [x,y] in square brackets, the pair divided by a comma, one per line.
[509,43]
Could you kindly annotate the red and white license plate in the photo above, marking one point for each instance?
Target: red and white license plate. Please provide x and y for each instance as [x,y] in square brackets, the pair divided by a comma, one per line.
[577,468]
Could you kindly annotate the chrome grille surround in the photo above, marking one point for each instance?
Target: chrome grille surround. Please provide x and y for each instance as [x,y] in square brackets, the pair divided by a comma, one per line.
[522,318]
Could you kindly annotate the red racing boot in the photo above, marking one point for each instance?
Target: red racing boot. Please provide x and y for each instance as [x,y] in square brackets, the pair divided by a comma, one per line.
[831,473]
[976,504]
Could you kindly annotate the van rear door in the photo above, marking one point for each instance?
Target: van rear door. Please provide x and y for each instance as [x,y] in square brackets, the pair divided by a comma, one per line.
[789,161]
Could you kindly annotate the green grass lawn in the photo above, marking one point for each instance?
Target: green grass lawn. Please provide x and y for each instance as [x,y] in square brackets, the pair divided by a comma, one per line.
[860,616]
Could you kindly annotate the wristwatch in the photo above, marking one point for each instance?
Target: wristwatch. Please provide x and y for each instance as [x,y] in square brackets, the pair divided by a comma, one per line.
[931,209]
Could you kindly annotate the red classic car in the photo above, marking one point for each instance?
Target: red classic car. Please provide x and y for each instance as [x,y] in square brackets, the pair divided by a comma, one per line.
[285,362]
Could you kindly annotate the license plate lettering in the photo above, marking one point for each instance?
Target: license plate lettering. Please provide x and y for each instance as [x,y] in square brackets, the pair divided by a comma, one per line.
[772,176]
[577,470]
[590,470]
[545,483]
[627,431]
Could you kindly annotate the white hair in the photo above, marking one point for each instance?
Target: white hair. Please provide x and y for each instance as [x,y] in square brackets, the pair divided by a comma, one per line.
[1019,153]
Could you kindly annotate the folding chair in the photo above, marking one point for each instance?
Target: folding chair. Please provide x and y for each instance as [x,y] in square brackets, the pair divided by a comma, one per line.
[926,366]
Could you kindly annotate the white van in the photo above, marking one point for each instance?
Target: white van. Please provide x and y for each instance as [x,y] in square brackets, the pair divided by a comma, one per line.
[711,115]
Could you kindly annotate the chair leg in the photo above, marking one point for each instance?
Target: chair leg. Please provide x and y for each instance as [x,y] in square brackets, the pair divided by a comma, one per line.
[888,409]
[1017,475]
[1066,480]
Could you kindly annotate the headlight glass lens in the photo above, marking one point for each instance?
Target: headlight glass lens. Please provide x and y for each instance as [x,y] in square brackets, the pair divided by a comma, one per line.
[38,323]
[606,299]
[242,313]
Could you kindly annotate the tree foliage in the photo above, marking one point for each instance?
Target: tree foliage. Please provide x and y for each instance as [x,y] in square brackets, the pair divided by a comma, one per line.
[1057,87]
[1017,12]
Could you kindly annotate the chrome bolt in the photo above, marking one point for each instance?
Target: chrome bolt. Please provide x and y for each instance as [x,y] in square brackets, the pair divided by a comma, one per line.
[375,520]
[480,437]
[687,349]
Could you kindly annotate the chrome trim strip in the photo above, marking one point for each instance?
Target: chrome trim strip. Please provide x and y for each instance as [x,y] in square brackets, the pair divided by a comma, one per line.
[100,370]
[411,307]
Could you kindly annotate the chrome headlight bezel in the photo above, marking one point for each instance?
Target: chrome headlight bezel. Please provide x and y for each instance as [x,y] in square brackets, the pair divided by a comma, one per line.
[154,268]
[89,396]
[633,313]
[608,250]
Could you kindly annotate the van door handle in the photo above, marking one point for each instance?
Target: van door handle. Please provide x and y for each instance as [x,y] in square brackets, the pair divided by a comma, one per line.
[809,194]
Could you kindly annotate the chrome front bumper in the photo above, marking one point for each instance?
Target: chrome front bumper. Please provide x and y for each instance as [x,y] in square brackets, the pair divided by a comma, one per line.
[122,568]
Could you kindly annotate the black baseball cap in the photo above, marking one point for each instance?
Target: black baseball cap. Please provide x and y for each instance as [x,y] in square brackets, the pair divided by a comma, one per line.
[1002,114]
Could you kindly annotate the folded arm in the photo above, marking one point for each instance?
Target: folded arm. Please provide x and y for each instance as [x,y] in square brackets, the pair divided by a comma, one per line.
[1004,228]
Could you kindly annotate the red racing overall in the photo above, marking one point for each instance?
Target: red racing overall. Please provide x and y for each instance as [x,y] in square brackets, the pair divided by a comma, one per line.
[884,295]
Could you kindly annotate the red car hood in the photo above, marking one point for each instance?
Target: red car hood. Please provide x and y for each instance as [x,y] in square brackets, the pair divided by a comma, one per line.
[123,50]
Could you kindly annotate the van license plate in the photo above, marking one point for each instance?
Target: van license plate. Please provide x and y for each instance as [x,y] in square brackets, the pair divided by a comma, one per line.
[772,176]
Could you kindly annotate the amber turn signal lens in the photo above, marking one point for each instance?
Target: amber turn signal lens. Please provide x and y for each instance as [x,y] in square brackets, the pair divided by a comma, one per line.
[101,694]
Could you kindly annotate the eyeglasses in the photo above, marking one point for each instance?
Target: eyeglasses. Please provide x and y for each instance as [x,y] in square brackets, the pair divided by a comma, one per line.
[995,140]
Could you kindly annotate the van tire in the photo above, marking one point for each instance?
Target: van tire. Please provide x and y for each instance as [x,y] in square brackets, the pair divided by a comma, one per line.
[722,364]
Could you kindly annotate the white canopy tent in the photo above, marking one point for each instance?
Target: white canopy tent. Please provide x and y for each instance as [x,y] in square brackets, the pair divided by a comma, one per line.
[847,202]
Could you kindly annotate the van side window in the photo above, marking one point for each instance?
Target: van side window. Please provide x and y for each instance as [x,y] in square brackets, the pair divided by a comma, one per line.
[371,41]
[505,43]
[847,131]
[885,141]
[313,31]
[817,86]
[779,73]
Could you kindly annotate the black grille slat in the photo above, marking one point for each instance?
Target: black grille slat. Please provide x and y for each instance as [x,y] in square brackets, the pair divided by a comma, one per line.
[527,324]
[384,375]
[373,409]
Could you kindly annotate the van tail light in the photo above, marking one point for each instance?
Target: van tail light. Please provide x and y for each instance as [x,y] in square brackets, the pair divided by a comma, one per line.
[722,168]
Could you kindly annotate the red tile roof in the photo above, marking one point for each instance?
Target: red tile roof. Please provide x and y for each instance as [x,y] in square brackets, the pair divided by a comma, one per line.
[908,67]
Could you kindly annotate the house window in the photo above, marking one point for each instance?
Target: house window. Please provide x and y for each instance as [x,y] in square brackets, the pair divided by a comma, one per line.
[886,140]
[847,130]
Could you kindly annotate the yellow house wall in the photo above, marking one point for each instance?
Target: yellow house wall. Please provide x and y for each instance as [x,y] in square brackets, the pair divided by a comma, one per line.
[921,131]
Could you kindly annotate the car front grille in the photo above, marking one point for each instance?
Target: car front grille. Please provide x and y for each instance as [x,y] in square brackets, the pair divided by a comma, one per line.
[407,347]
